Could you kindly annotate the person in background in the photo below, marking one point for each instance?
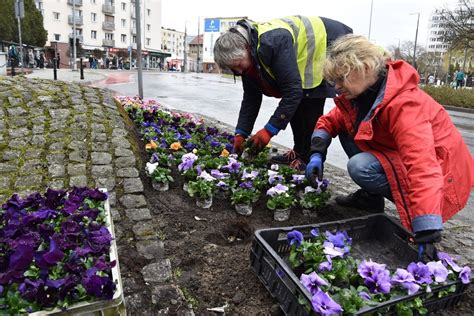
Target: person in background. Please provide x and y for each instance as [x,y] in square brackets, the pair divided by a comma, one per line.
[281,58]
[402,144]
[459,79]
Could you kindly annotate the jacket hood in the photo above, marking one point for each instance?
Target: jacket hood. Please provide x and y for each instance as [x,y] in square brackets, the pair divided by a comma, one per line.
[401,76]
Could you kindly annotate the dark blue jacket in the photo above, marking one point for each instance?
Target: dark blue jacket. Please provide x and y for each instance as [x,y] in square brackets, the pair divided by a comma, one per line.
[276,50]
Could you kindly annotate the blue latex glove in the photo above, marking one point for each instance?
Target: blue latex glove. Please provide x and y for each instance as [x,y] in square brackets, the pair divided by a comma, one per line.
[426,245]
[314,168]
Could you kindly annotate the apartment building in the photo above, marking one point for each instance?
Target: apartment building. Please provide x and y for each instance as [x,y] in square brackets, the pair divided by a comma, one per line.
[108,26]
[436,31]
[173,42]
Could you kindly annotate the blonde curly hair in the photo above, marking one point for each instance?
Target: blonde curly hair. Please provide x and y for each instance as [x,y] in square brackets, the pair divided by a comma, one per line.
[353,53]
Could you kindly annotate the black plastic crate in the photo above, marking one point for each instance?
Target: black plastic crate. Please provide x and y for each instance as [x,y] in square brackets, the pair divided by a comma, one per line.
[378,237]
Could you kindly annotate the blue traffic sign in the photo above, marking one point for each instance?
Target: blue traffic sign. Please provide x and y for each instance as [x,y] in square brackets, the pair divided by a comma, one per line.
[212,25]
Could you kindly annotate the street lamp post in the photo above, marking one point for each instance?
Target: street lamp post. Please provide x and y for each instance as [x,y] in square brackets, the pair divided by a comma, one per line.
[370,21]
[198,48]
[416,38]
[74,54]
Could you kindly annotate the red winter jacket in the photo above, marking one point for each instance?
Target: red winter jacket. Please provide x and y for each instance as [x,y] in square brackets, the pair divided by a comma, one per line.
[429,167]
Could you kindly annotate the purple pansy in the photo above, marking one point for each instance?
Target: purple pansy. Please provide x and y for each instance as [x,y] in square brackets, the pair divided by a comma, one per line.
[420,272]
[295,237]
[249,175]
[314,232]
[277,190]
[219,175]
[447,260]
[322,303]
[406,280]
[312,282]
[246,185]
[369,268]
[187,161]
[233,165]
[465,275]
[379,283]
[326,265]
[438,270]
[365,296]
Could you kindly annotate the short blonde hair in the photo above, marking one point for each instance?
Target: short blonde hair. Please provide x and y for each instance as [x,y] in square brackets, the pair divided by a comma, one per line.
[353,52]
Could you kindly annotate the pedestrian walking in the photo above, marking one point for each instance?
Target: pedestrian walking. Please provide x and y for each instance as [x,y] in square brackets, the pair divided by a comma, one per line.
[281,58]
[459,79]
[402,144]
[58,60]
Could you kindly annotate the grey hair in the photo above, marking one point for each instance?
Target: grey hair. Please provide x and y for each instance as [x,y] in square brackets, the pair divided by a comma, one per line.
[230,46]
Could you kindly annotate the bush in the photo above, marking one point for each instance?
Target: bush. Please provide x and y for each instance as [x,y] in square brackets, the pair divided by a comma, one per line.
[449,96]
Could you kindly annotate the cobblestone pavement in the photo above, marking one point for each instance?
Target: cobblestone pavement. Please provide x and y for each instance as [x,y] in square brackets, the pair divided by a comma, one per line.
[59,135]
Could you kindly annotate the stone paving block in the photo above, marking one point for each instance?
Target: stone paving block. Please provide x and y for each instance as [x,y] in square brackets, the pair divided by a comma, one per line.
[99,171]
[11,154]
[4,182]
[108,183]
[58,114]
[151,249]
[135,302]
[98,128]
[76,169]
[56,170]
[28,181]
[157,272]
[16,111]
[15,143]
[120,141]
[116,217]
[138,214]
[100,146]
[112,198]
[127,173]
[38,140]
[79,135]
[38,129]
[132,201]
[18,132]
[77,145]
[158,292]
[14,101]
[79,126]
[56,184]
[33,153]
[122,152]
[98,137]
[124,162]
[119,132]
[78,156]
[7,167]
[132,185]
[18,122]
[145,231]
[57,135]
[57,146]
[101,158]
[78,181]
[55,158]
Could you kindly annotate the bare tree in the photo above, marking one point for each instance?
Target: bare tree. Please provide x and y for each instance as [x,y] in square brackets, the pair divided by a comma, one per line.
[457,24]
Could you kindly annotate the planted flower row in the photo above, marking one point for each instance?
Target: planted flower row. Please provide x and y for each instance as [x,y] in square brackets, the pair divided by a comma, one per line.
[339,284]
[201,155]
[54,251]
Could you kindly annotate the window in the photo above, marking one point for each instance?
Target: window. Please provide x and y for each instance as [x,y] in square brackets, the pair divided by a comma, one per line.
[148,41]
[148,27]
[124,22]
[93,1]
[148,12]
[124,6]
[93,34]
[94,17]
[123,38]
[56,15]
[134,39]
[109,36]
[57,37]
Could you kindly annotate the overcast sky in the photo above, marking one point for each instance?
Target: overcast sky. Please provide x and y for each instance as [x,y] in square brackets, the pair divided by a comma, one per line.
[391,19]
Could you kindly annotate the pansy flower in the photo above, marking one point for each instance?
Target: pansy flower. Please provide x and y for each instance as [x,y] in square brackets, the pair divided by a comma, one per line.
[406,280]
[294,237]
[322,303]
[176,146]
[151,145]
[312,282]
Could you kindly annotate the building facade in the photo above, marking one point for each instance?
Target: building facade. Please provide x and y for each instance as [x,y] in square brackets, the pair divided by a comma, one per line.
[434,42]
[103,27]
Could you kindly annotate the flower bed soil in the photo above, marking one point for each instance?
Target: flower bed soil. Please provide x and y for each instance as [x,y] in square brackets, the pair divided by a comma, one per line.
[210,256]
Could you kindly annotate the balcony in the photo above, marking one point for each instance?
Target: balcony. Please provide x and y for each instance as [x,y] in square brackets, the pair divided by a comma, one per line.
[80,37]
[108,9]
[108,42]
[77,19]
[108,26]
[71,2]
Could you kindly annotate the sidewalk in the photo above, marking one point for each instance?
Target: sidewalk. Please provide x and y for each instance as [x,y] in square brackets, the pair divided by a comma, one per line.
[68,75]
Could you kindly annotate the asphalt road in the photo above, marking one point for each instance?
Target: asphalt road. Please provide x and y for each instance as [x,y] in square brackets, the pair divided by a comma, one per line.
[219,97]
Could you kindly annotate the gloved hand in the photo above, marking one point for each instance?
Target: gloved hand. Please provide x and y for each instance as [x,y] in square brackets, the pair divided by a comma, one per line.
[261,139]
[314,168]
[238,144]
[426,248]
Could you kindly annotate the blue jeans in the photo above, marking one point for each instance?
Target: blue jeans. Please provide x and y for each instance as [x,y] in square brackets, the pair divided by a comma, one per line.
[365,169]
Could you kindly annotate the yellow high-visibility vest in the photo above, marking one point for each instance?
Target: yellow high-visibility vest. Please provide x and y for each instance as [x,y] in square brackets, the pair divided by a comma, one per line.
[309,41]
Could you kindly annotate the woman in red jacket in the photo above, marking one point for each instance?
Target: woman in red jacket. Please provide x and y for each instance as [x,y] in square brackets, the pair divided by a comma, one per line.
[402,144]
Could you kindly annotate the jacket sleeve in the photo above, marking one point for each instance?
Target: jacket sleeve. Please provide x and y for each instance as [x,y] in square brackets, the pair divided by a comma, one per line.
[327,127]
[249,108]
[412,132]
[277,52]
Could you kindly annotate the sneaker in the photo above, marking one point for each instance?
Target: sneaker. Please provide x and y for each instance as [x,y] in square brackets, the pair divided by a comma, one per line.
[363,200]
[298,165]
[286,158]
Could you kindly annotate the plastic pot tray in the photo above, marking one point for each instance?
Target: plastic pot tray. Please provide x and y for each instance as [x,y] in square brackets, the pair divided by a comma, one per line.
[378,237]
[112,307]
